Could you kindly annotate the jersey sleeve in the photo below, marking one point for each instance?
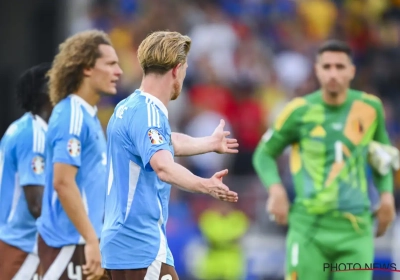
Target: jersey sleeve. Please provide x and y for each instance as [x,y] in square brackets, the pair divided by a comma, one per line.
[30,157]
[68,132]
[283,133]
[148,131]
[381,134]
[285,129]
[383,183]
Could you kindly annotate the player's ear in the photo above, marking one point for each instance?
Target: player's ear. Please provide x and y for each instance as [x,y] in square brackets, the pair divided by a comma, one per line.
[87,72]
[175,70]
[316,68]
[353,71]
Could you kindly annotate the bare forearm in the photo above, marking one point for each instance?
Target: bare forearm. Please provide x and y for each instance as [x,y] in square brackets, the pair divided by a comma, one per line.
[69,196]
[185,145]
[176,174]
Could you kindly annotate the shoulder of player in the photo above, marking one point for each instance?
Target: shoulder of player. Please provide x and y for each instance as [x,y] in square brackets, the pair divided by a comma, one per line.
[147,110]
[296,105]
[368,98]
[67,115]
[29,135]
[371,98]
[18,132]
[293,110]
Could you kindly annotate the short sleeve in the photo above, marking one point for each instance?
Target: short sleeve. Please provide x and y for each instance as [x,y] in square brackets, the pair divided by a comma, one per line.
[68,132]
[285,130]
[30,157]
[148,131]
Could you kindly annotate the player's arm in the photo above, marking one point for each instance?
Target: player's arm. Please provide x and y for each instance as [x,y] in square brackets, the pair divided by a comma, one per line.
[384,183]
[170,172]
[31,160]
[185,145]
[274,141]
[156,156]
[68,137]
[69,195]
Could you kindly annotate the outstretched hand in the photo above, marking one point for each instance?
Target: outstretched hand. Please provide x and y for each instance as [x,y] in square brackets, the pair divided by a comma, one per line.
[219,190]
[222,144]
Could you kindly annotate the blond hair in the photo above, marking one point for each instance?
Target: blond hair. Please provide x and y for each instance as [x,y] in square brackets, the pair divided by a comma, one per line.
[75,54]
[161,51]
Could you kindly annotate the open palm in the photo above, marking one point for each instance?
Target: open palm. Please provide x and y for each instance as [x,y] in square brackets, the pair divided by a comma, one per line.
[224,145]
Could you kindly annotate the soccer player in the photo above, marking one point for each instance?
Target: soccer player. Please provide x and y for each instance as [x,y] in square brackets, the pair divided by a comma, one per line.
[329,132]
[22,176]
[73,202]
[141,166]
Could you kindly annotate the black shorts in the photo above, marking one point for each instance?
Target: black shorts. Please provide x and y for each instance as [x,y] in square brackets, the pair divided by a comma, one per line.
[157,271]
[61,263]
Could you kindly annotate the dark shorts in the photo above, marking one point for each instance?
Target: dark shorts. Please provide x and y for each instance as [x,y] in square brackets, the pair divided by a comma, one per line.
[61,263]
[17,264]
[157,271]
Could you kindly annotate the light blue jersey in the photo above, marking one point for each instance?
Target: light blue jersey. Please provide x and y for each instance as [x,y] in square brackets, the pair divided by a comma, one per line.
[21,165]
[134,232]
[75,137]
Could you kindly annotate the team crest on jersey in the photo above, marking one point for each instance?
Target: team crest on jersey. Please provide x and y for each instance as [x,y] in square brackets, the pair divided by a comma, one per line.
[155,137]
[74,147]
[37,165]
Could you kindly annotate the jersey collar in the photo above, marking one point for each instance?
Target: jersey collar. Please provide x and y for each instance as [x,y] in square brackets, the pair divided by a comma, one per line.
[92,110]
[156,101]
[42,123]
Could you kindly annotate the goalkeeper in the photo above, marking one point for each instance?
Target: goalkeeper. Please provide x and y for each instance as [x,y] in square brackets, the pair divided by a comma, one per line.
[330,132]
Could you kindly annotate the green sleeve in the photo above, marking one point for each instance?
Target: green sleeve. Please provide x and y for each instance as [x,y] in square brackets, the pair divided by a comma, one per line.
[275,140]
[383,183]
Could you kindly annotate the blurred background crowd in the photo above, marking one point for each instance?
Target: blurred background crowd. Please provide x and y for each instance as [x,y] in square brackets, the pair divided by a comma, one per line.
[248,59]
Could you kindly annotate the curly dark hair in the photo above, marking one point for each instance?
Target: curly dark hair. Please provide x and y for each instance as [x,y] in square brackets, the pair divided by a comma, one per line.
[32,88]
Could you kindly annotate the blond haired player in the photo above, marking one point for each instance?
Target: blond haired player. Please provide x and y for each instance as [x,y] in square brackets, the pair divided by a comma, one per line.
[141,166]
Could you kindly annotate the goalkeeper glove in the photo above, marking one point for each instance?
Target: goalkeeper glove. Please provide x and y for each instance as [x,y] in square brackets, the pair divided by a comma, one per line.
[383,157]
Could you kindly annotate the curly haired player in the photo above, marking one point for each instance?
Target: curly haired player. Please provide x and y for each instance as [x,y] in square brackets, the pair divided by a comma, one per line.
[22,176]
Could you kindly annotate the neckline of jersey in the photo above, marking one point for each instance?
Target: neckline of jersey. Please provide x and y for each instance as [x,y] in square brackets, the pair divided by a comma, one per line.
[92,110]
[38,119]
[157,101]
[335,107]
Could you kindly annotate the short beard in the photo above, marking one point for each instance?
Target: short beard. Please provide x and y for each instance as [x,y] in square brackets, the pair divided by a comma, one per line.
[333,94]
[176,90]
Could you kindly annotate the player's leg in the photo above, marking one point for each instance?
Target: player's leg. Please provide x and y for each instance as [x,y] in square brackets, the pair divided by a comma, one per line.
[16,264]
[304,259]
[62,263]
[357,246]
[127,274]
[304,256]
[167,272]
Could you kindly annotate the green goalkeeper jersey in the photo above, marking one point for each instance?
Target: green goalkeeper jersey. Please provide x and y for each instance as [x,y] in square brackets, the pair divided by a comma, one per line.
[328,158]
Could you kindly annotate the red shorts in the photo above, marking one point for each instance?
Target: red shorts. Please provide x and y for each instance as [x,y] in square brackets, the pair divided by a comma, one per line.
[17,264]
[157,271]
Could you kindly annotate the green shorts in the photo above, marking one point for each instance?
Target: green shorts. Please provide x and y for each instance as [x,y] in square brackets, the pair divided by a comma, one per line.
[315,245]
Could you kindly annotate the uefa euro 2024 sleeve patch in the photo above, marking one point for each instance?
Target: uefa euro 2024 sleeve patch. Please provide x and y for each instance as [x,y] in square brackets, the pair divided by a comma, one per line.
[38,165]
[74,147]
[155,137]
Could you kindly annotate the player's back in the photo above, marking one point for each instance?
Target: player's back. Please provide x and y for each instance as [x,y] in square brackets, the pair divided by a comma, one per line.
[21,164]
[137,200]
[75,137]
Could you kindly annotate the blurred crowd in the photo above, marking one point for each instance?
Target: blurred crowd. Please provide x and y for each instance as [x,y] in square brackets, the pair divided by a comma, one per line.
[248,58]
